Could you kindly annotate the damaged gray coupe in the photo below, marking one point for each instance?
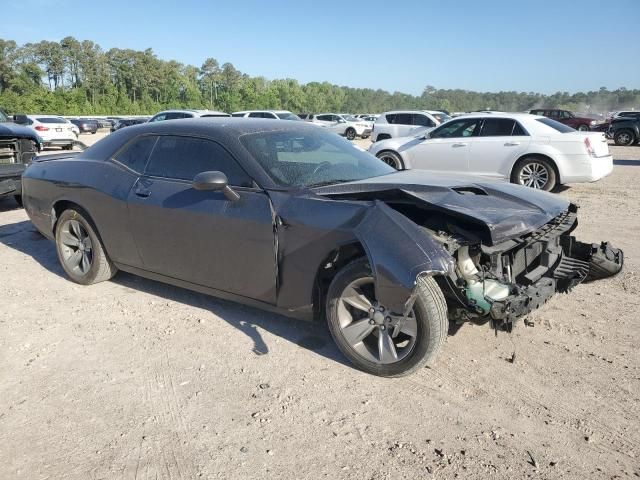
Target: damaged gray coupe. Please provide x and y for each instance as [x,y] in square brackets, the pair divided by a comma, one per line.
[297,220]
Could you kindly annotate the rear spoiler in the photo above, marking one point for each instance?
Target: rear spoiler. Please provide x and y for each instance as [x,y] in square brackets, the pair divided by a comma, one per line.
[55,156]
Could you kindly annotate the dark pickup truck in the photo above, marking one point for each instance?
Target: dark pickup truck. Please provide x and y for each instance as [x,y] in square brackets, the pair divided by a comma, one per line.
[18,146]
[625,130]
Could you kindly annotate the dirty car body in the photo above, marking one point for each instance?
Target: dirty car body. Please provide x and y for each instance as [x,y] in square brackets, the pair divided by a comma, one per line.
[295,207]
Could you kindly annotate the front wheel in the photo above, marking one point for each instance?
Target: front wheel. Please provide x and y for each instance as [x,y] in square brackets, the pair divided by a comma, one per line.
[536,173]
[624,138]
[80,250]
[350,134]
[392,159]
[376,340]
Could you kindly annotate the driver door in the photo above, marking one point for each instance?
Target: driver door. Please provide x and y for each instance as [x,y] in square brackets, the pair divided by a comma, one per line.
[447,148]
[200,236]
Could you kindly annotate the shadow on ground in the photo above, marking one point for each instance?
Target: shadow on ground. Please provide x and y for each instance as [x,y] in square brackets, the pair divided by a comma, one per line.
[23,237]
[633,163]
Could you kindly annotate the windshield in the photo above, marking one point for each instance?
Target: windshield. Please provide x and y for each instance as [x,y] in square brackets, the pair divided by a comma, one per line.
[560,127]
[51,120]
[311,158]
[287,116]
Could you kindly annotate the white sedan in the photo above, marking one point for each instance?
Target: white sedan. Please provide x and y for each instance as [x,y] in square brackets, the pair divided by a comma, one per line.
[526,149]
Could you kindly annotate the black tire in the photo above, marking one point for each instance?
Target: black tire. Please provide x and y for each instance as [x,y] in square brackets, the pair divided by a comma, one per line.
[101,268]
[350,133]
[430,310]
[18,199]
[529,162]
[391,158]
[624,138]
[583,128]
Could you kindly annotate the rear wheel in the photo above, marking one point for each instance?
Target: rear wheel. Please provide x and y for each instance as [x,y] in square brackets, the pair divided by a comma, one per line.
[624,138]
[583,128]
[392,159]
[350,133]
[376,340]
[80,250]
[535,172]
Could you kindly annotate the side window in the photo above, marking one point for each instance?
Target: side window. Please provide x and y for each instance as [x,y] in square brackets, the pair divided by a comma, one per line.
[554,114]
[159,118]
[269,115]
[136,153]
[324,118]
[184,157]
[256,115]
[460,128]
[422,120]
[497,127]
[174,115]
[237,114]
[518,131]
[404,119]
[391,118]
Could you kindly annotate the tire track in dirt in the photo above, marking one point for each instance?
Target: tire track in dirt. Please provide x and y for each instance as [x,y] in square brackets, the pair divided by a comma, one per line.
[574,419]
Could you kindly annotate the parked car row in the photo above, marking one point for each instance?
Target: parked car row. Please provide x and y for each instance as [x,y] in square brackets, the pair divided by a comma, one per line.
[526,149]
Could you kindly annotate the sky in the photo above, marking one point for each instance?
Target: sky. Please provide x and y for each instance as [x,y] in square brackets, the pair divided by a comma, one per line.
[524,45]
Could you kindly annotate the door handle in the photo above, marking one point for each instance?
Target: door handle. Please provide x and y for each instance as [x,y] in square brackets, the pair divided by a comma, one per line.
[141,191]
[512,144]
[457,145]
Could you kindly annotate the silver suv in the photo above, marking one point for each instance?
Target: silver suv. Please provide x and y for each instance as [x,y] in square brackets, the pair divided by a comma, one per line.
[405,123]
[176,114]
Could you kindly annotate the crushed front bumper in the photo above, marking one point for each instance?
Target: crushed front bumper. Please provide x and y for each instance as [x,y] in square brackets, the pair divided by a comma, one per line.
[574,263]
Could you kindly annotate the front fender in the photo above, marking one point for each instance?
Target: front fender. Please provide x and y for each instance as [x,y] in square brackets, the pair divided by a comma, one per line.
[399,251]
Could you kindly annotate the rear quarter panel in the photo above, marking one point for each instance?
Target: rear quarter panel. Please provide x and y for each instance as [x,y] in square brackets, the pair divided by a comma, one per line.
[99,187]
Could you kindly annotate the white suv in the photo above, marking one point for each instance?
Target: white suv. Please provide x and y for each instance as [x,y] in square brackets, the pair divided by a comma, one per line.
[406,122]
[176,114]
[272,114]
[55,131]
[345,125]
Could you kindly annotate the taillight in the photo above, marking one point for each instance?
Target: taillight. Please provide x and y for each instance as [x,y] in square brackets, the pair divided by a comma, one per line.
[590,150]
[41,128]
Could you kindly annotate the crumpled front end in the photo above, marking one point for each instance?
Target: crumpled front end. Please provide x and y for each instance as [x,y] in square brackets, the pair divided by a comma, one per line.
[505,282]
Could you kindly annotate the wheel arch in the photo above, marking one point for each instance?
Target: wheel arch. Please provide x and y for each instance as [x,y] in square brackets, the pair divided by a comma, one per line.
[63,204]
[328,268]
[543,156]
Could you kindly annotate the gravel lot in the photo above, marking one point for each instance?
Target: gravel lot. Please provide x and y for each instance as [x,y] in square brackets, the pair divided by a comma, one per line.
[133,379]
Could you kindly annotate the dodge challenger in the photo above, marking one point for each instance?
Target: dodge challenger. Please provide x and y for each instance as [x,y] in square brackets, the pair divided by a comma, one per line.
[294,219]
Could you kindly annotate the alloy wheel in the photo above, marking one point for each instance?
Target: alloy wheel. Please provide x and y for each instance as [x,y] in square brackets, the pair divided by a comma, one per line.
[76,247]
[370,330]
[390,160]
[624,138]
[534,175]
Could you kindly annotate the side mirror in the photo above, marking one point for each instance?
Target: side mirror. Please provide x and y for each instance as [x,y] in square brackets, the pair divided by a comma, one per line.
[215,181]
[426,135]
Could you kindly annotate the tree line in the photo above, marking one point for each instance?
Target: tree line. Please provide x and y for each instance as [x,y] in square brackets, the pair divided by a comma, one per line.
[73,77]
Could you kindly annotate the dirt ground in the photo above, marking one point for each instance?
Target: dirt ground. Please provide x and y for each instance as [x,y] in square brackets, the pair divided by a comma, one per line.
[133,379]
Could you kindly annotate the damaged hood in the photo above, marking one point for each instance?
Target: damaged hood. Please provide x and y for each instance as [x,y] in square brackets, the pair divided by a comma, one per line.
[495,211]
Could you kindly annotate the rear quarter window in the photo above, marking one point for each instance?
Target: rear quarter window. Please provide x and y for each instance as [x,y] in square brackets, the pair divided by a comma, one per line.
[136,153]
[557,126]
